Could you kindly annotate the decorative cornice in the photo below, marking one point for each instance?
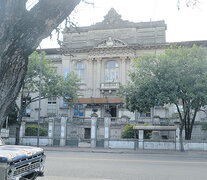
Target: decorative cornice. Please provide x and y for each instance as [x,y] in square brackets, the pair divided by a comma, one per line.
[131,47]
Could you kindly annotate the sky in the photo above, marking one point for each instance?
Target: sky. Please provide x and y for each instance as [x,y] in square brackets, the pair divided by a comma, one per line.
[184,24]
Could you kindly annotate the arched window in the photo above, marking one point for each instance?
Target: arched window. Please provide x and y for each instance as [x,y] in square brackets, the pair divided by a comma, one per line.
[111,71]
[79,69]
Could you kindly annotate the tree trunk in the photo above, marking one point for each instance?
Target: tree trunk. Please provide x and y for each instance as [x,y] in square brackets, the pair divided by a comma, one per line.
[21,32]
[181,138]
[187,128]
[10,83]
[19,122]
[17,140]
[182,122]
[192,123]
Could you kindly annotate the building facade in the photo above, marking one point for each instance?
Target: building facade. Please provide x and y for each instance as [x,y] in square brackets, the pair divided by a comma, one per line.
[101,55]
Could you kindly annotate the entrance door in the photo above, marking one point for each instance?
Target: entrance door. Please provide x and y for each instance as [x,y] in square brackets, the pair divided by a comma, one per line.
[87,134]
[113,111]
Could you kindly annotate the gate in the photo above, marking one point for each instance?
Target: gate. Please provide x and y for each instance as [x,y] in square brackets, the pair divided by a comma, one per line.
[57,132]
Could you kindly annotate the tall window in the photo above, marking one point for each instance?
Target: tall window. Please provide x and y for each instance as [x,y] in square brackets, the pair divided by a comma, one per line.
[51,106]
[112,71]
[80,71]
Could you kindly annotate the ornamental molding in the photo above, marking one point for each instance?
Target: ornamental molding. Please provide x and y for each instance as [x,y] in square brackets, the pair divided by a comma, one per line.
[110,42]
[110,52]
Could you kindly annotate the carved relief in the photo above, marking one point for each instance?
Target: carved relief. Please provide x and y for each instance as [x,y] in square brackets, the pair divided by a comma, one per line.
[90,60]
[98,59]
[111,43]
[123,59]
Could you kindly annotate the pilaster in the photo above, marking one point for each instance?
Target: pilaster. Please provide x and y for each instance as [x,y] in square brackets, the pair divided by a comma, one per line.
[94,118]
[22,131]
[51,131]
[141,139]
[63,131]
[107,123]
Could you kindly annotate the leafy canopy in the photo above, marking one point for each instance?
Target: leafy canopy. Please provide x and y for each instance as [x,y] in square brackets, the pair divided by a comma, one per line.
[52,84]
[179,75]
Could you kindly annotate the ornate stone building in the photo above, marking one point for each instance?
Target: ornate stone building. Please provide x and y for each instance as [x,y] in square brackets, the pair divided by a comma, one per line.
[100,55]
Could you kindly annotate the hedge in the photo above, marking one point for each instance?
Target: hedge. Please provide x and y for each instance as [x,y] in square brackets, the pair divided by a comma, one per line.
[128,132]
[32,131]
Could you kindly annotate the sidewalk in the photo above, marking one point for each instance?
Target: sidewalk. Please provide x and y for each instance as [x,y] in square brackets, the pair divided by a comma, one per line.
[126,151]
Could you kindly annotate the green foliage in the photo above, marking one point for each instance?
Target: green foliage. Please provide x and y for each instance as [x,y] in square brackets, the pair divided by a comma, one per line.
[147,134]
[70,88]
[32,131]
[128,132]
[204,126]
[177,77]
[52,84]
[157,80]
[145,124]
[174,116]
[12,114]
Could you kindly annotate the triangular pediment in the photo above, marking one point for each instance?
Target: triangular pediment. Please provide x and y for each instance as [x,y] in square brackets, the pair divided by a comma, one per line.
[110,42]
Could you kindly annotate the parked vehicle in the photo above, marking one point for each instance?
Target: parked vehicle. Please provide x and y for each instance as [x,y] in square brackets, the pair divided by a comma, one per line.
[20,162]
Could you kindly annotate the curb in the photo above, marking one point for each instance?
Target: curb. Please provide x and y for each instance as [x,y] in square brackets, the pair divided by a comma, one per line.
[123,151]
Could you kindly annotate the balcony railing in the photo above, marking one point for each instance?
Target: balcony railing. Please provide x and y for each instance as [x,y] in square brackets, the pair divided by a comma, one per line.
[109,86]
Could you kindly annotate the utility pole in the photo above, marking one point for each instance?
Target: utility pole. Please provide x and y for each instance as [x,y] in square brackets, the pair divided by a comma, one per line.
[38,130]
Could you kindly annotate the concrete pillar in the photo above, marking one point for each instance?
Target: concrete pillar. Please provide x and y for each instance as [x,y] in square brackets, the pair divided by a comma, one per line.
[63,131]
[107,123]
[51,131]
[94,118]
[177,135]
[22,131]
[141,139]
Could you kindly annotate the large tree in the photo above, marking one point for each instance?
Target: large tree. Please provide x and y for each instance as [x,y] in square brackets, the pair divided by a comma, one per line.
[177,77]
[52,85]
[21,31]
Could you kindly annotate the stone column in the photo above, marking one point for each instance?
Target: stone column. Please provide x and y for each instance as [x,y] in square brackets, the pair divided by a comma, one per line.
[98,76]
[94,118]
[51,131]
[141,139]
[63,131]
[22,131]
[123,70]
[90,77]
[107,123]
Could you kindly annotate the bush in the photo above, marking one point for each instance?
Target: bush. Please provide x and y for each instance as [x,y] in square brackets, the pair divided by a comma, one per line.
[128,132]
[32,131]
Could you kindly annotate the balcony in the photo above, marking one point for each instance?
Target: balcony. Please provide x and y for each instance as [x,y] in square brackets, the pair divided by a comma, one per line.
[109,86]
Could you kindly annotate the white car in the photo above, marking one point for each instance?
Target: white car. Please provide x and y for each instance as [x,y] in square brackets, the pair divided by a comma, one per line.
[20,162]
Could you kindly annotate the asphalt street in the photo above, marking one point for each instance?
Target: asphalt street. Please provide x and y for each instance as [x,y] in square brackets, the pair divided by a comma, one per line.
[63,165]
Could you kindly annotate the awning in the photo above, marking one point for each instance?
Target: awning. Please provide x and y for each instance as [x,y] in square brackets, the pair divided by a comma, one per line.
[104,100]
[156,128]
